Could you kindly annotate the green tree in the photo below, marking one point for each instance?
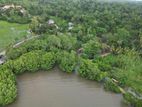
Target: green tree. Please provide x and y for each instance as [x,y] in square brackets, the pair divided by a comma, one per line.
[67,61]
[91,49]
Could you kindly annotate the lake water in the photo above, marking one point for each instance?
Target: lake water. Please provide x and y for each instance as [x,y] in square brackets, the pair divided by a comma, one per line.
[57,89]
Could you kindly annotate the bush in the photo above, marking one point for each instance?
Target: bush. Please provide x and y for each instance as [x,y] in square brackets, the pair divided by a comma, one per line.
[32,61]
[111,86]
[91,49]
[67,61]
[89,70]
[64,42]
[48,60]
[27,62]
[46,43]
[28,46]
[68,42]
[8,90]
[133,100]
[108,63]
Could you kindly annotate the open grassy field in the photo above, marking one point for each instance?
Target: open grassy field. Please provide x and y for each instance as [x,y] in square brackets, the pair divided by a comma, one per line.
[11,32]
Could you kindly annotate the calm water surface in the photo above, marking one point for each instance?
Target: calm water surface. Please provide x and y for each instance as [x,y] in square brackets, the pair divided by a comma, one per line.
[58,89]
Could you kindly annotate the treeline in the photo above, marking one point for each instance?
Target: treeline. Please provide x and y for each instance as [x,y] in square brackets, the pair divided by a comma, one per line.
[117,24]
[46,43]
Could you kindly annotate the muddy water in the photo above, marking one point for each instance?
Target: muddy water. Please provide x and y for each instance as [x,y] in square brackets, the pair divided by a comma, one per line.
[58,89]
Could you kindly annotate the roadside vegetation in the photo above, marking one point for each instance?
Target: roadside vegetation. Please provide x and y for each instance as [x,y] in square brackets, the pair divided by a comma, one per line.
[100,41]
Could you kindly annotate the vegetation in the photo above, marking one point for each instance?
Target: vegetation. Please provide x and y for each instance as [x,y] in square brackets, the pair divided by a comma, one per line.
[90,71]
[32,61]
[11,33]
[133,100]
[101,41]
[91,49]
[14,13]
[29,62]
[8,89]
[47,43]
[67,61]
[111,85]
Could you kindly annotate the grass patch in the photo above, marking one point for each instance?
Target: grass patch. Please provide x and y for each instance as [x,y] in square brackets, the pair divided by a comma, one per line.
[11,32]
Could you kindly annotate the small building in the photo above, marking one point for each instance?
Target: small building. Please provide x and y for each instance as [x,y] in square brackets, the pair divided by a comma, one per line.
[51,22]
[6,7]
[23,12]
[70,26]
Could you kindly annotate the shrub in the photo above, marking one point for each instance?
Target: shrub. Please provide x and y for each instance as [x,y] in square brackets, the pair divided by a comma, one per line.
[91,49]
[68,42]
[32,61]
[64,42]
[48,60]
[27,62]
[28,46]
[46,43]
[13,53]
[8,90]
[108,63]
[111,86]
[89,70]
[67,61]
[133,100]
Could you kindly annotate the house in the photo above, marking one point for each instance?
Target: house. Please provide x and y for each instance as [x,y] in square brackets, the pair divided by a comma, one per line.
[70,26]
[52,23]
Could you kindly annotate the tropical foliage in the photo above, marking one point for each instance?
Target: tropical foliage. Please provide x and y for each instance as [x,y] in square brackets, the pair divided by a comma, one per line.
[101,41]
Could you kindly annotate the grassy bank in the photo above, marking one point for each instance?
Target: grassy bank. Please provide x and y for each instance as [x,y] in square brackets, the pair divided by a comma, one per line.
[11,32]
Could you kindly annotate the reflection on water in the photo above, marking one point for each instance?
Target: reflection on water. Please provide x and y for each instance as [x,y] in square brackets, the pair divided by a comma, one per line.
[58,89]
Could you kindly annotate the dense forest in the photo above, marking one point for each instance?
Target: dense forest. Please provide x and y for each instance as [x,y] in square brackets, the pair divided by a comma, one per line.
[101,41]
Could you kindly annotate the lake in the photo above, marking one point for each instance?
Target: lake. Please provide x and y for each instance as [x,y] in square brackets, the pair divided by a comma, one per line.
[58,89]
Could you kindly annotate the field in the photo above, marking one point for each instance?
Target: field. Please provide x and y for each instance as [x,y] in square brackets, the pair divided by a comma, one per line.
[11,32]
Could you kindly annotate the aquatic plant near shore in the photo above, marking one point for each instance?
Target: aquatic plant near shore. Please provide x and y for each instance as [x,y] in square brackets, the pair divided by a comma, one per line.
[32,61]
[89,70]
[132,99]
[8,89]
[110,85]
[67,61]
